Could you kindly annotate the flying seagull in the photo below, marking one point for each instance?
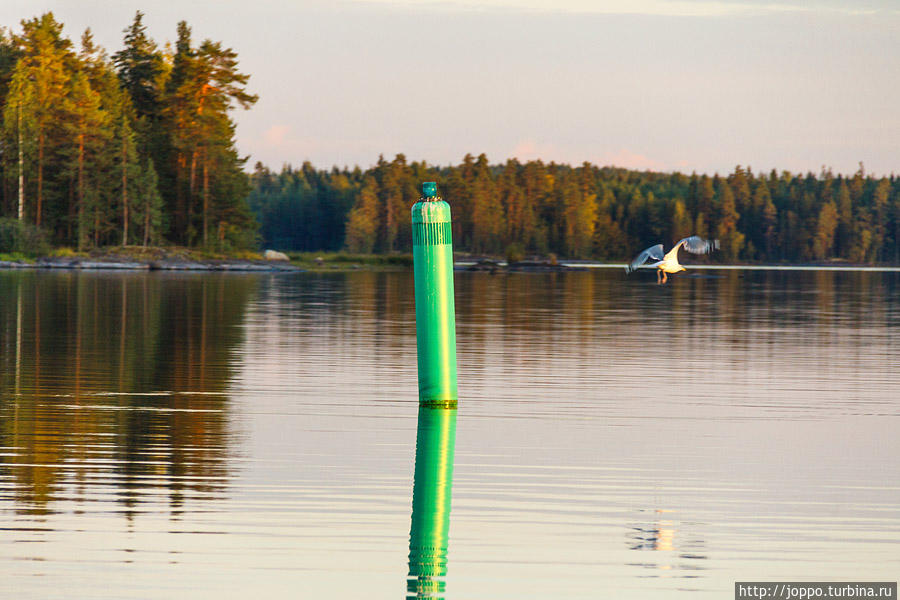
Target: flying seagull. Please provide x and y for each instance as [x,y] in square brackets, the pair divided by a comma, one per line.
[669,262]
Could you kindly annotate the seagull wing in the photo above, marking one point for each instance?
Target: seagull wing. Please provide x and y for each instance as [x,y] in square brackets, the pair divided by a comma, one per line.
[698,245]
[653,252]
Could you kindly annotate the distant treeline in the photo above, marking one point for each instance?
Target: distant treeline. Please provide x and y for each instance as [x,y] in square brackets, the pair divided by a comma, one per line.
[136,148]
[604,213]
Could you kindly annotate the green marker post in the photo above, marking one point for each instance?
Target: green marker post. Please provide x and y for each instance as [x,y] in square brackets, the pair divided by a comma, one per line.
[436,432]
[435,313]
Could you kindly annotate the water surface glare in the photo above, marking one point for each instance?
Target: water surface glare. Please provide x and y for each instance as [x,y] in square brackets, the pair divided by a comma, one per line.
[225,435]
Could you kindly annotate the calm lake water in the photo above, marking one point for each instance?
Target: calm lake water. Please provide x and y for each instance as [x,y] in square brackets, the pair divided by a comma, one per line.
[231,436]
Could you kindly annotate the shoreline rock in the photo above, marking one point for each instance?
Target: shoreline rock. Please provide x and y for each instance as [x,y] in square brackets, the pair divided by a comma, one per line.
[276,255]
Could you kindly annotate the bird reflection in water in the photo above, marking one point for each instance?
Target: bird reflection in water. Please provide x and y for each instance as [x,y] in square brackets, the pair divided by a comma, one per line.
[656,536]
[660,536]
[428,537]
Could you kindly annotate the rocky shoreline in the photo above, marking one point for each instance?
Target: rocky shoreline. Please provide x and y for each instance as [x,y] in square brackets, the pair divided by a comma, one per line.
[522,266]
[266,266]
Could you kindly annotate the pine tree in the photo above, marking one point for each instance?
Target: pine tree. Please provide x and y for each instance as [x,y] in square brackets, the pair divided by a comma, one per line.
[204,85]
[538,183]
[760,219]
[393,180]
[9,56]
[520,218]
[770,228]
[148,208]
[127,167]
[609,240]
[140,68]
[863,234]
[219,86]
[455,190]
[487,211]
[845,220]
[880,218]
[87,125]
[740,186]
[682,226]
[19,135]
[362,221]
[824,239]
[579,211]
[178,113]
[731,240]
[42,75]
[704,210]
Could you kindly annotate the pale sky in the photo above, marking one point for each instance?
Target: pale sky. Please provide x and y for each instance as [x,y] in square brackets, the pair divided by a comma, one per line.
[688,85]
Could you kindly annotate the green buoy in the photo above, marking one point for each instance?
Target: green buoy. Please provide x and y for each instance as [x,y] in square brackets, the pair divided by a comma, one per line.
[435,313]
[436,432]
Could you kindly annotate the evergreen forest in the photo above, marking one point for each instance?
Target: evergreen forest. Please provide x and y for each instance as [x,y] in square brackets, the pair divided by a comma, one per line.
[133,148]
[137,147]
[603,213]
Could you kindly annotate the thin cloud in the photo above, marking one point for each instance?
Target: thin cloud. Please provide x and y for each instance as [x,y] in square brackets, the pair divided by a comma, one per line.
[294,149]
[630,160]
[529,149]
[276,135]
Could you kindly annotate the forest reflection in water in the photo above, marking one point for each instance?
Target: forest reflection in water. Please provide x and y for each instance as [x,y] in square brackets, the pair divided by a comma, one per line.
[227,435]
[115,385]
